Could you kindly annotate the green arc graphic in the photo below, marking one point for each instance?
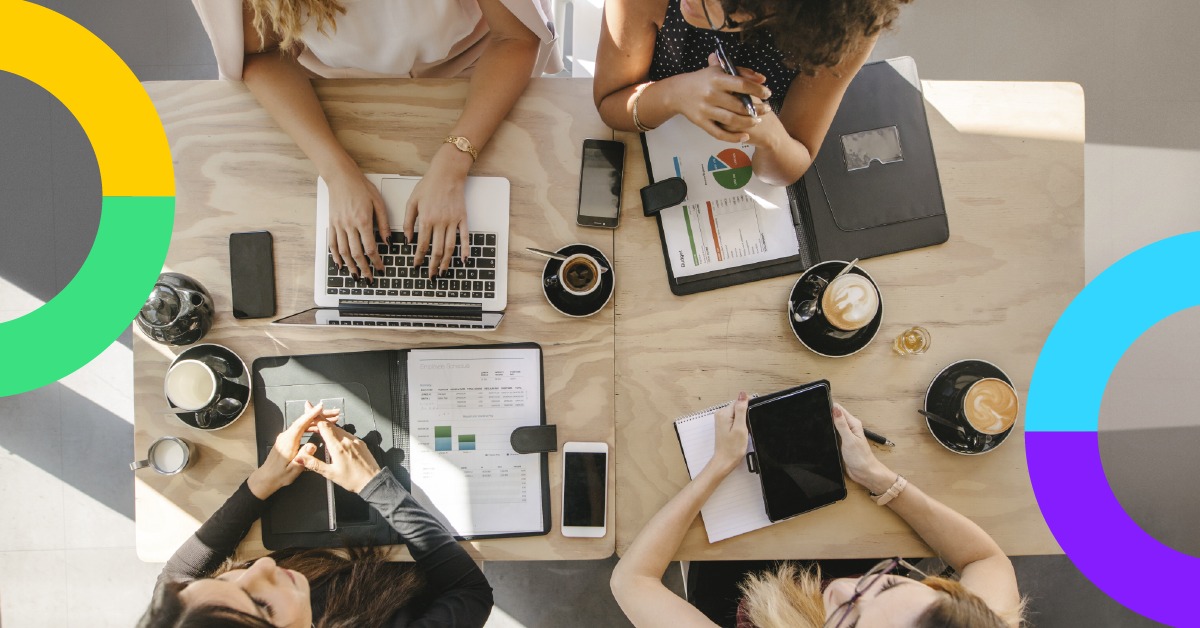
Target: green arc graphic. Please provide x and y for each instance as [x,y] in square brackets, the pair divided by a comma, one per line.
[83,320]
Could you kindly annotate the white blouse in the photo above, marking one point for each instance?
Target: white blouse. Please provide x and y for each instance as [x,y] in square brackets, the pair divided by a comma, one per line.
[386,38]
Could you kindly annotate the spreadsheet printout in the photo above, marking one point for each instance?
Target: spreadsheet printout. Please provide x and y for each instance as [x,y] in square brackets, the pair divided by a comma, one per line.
[463,406]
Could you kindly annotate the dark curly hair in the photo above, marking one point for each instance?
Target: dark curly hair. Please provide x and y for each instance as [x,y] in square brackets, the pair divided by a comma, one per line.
[814,34]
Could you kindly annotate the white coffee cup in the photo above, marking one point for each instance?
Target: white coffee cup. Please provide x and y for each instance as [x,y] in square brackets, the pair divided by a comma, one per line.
[167,456]
[191,385]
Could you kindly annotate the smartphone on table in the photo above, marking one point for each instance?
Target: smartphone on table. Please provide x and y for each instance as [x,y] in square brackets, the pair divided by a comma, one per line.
[585,489]
[252,274]
[600,183]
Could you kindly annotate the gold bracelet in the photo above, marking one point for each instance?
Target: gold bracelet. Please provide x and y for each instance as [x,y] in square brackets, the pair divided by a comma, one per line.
[637,93]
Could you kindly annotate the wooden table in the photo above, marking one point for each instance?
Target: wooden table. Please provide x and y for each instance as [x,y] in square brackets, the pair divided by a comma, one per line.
[1011,162]
[235,170]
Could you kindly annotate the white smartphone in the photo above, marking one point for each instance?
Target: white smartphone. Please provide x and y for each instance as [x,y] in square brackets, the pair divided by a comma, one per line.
[585,489]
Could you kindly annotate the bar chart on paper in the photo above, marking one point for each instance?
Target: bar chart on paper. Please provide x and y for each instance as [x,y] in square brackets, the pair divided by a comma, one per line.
[724,229]
[466,405]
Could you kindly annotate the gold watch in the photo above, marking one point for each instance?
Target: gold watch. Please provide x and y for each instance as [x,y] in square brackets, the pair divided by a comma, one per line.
[463,144]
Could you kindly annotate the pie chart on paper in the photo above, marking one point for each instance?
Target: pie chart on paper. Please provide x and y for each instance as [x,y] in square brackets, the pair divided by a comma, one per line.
[730,168]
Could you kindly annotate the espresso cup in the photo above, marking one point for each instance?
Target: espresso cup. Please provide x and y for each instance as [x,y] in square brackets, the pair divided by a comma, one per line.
[192,385]
[579,274]
[990,406]
[850,302]
[167,456]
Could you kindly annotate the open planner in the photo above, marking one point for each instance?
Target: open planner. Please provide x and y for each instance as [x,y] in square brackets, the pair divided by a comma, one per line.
[440,420]
[873,189]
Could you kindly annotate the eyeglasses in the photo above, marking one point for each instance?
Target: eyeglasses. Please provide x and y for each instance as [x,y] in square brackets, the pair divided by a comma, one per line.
[869,579]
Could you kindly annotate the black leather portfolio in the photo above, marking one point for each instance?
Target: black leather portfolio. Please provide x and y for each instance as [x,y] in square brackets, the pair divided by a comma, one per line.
[872,190]
[372,391]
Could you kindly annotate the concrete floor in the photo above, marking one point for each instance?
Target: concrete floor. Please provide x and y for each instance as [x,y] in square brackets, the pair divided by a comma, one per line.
[66,529]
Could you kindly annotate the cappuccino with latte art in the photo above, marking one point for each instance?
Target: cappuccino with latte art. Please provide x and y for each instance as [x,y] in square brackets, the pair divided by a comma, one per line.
[850,302]
[990,405]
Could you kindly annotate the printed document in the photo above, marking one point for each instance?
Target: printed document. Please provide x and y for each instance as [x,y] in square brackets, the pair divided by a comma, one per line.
[731,217]
[463,406]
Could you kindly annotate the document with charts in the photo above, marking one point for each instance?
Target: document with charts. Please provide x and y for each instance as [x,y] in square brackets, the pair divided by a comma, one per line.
[463,406]
[730,218]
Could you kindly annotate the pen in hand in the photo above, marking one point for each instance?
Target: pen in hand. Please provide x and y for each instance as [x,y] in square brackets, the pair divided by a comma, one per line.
[877,438]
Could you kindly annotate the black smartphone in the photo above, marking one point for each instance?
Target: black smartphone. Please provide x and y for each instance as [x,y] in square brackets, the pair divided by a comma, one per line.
[252,274]
[600,183]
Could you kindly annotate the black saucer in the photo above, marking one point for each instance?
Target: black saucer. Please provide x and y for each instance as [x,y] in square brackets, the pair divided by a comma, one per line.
[816,333]
[240,375]
[944,398]
[587,304]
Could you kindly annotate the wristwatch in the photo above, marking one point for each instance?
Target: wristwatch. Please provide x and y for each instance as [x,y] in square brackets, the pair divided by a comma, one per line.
[463,144]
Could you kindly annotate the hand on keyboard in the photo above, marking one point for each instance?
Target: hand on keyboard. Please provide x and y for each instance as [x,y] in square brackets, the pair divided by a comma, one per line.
[354,206]
[438,199]
[467,280]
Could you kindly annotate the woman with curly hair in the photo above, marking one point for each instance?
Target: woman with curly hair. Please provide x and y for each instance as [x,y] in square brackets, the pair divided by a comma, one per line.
[276,46]
[319,588]
[785,595]
[795,58]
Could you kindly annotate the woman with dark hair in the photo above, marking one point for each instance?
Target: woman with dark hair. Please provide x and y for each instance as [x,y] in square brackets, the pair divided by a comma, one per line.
[317,587]
[785,595]
[795,57]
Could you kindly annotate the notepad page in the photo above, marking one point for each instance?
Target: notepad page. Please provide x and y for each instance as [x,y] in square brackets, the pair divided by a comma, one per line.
[736,506]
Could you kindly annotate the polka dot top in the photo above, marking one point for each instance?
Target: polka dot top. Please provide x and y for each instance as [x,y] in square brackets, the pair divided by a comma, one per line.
[680,48]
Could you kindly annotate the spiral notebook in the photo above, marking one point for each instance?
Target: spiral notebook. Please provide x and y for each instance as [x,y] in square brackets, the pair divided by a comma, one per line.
[737,505]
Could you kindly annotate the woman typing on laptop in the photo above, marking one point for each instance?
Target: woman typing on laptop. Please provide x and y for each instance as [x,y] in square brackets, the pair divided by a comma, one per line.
[300,588]
[276,46]
[785,596]
[660,58]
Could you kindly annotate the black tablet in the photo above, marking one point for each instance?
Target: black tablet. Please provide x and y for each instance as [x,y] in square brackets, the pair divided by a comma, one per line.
[796,450]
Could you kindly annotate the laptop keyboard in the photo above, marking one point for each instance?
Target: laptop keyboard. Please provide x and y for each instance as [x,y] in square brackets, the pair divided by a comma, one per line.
[473,279]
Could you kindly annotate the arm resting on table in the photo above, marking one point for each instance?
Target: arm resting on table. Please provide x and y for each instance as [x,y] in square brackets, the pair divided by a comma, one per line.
[217,539]
[462,595]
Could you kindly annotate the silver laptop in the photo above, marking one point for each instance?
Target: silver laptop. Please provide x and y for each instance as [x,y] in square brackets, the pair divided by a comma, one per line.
[471,295]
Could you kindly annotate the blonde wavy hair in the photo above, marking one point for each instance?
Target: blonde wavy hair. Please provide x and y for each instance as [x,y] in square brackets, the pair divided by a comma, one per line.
[790,597]
[287,17]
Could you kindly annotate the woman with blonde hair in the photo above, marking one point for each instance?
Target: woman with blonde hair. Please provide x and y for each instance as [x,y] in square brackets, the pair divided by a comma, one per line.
[785,596]
[276,46]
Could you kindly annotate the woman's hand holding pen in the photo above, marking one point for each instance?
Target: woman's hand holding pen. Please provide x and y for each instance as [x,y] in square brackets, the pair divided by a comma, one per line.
[731,435]
[861,464]
[706,97]
[282,465]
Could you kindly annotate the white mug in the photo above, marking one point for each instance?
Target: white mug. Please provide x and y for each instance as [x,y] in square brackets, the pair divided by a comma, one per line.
[191,385]
[566,285]
[167,456]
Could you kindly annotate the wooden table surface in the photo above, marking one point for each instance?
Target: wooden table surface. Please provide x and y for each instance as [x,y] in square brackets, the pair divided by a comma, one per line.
[235,170]
[1010,156]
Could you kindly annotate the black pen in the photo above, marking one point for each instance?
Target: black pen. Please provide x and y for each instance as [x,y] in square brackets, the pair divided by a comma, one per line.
[876,438]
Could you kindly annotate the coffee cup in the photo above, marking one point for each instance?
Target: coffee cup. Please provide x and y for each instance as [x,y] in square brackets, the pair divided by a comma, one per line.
[199,385]
[990,406]
[849,302]
[167,456]
[192,385]
[579,274]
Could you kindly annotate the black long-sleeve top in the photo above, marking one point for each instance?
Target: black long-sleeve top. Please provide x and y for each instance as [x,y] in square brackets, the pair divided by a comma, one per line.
[459,592]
